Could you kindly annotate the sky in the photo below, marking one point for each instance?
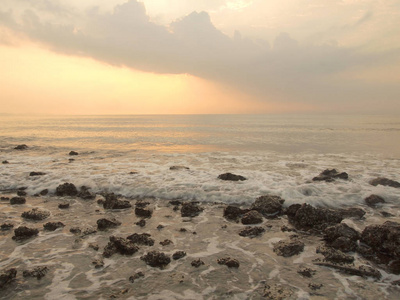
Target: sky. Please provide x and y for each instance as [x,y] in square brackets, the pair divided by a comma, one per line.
[199,56]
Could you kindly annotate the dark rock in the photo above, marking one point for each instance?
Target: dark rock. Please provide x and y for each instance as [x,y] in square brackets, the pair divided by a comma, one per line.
[75,230]
[112,202]
[373,200]
[21,193]
[141,239]
[306,272]
[197,263]
[231,177]
[363,271]
[166,242]
[4,162]
[285,228]
[94,246]
[5,199]
[21,147]
[178,255]
[66,189]
[6,226]
[183,230]
[334,255]
[36,174]
[394,266]
[234,213]
[143,212]
[38,272]
[98,263]
[104,224]
[7,276]
[44,192]
[156,259]
[292,210]
[36,214]
[141,204]
[277,292]
[190,209]
[73,153]
[136,276]
[71,160]
[159,227]
[315,286]
[17,200]
[175,202]
[386,214]
[177,168]
[252,231]
[88,230]
[385,182]
[23,233]
[119,245]
[352,212]
[229,262]
[85,194]
[252,217]
[51,226]
[63,205]
[268,205]
[141,223]
[288,248]
[330,175]
[342,237]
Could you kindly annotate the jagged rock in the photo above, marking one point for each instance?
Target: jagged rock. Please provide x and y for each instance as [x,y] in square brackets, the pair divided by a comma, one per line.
[4,162]
[6,226]
[175,202]
[4,198]
[386,214]
[363,271]
[315,286]
[234,213]
[166,242]
[334,255]
[85,194]
[177,168]
[160,226]
[385,182]
[342,237]
[21,147]
[229,262]
[7,276]
[44,192]
[252,217]
[112,202]
[143,212]
[231,177]
[268,205]
[75,230]
[285,228]
[352,212]
[22,233]
[73,153]
[119,245]
[277,292]
[197,263]
[156,259]
[288,248]
[87,231]
[136,276]
[38,272]
[141,239]
[306,272]
[36,214]
[94,246]
[51,226]
[141,223]
[178,255]
[66,189]
[373,200]
[21,193]
[63,205]
[36,174]
[141,203]
[17,200]
[190,209]
[330,175]
[252,231]
[98,263]
[104,224]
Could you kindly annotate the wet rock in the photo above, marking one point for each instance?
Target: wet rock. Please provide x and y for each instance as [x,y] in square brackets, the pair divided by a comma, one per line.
[166,242]
[66,189]
[156,259]
[143,212]
[4,162]
[306,272]
[197,263]
[71,160]
[285,228]
[231,177]
[75,230]
[21,147]
[17,200]
[44,192]
[178,255]
[21,193]
[141,204]
[6,226]
[288,248]
[276,292]
[98,263]
[229,262]
[394,267]
[307,217]
[104,224]
[178,168]
[315,286]
[175,202]
[119,245]
[386,214]
[23,233]
[141,239]
[363,271]
[73,153]
[7,277]
[141,223]
[88,231]
[36,214]
[136,276]
[63,205]
[94,246]
[374,200]
[5,199]
[385,182]
[330,175]
[38,272]
[334,255]
[85,194]
[112,202]
[268,205]
[342,237]
[51,226]
[252,217]
[36,174]
[190,209]
[252,231]
[352,212]
[234,213]
[159,227]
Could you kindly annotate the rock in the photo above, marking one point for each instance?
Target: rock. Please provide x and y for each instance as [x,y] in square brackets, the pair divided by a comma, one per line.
[306,272]
[94,246]
[104,224]
[38,272]
[315,286]
[385,182]
[71,160]
[386,214]
[141,239]
[177,168]
[24,233]
[252,217]
[363,271]
[285,228]
[66,189]
[231,177]
[51,226]
[75,230]
[7,276]
[307,217]
[98,263]
[197,263]
[141,203]
[342,237]
[17,200]
[36,174]
[175,202]
[143,212]
[234,213]
[119,245]
[352,212]
[166,242]
[334,255]
[4,162]
[5,199]
[44,192]
[252,231]
[330,175]
[36,214]
[277,292]
[21,147]
[73,153]
[156,259]
[87,231]
[288,248]
[160,226]
[63,205]
[268,205]
[141,223]
[21,193]
[136,276]
[394,266]
[6,226]
[190,209]
[85,194]
[112,202]
[229,262]
[178,255]
[373,200]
